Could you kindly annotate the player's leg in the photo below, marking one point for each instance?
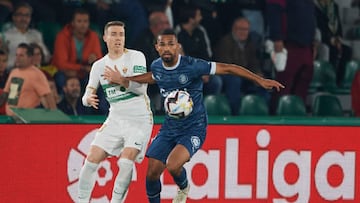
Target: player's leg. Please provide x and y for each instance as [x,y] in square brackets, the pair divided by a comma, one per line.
[88,174]
[153,184]
[123,178]
[157,153]
[187,146]
[177,158]
[136,135]
[105,143]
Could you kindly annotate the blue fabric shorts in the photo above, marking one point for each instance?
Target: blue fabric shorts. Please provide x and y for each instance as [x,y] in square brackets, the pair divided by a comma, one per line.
[163,144]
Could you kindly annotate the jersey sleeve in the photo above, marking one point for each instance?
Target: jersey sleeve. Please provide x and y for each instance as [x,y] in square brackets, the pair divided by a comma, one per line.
[139,67]
[139,63]
[205,67]
[93,83]
[94,75]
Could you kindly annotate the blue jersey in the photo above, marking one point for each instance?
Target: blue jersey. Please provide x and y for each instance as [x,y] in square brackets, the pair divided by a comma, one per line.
[185,75]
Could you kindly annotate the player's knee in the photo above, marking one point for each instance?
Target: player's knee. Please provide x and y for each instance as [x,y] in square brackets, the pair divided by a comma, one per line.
[96,155]
[93,159]
[174,169]
[153,174]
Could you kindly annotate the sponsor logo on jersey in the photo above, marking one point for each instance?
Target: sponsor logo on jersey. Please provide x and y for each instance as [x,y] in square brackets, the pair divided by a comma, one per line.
[139,69]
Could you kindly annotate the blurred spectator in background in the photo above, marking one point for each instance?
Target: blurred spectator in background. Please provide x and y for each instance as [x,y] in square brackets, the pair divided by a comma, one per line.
[26,86]
[355,94]
[6,7]
[329,24]
[160,5]
[44,10]
[195,42]
[48,70]
[2,104]
[76,48]
[253,10]
[292,26]
[192,36]
[4,73]
[71,101]
[237,48]
[54,91]
[131,12]
[20,32]
[321,50]
[2,42]
[210,20]
[38,60]
[68,7]
[158,22]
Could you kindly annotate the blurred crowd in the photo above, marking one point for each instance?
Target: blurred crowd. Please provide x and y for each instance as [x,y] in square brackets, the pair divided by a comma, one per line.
[47,47]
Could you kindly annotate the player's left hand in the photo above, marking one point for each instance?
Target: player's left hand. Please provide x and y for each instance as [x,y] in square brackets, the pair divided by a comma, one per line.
[114,76]
[270,84]
[93,101]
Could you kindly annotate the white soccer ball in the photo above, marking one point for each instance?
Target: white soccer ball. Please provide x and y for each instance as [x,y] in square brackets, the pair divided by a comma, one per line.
[178,104]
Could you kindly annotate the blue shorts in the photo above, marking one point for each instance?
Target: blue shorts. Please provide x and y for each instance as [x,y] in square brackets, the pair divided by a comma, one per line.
[163,143]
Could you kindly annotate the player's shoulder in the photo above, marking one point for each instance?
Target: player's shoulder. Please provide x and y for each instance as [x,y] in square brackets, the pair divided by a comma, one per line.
[188,60]
[156,62]
[100,63]
[133,52]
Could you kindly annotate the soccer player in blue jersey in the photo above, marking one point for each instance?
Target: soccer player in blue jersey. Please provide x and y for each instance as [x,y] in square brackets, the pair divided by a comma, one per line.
[179,139]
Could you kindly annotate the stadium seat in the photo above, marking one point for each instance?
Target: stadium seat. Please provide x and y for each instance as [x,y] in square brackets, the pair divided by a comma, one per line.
[49,31]
[253,105]
[350,70]
[217,105]
[324,78]
[316,82]
[328,77]
[327,105]
[291,105]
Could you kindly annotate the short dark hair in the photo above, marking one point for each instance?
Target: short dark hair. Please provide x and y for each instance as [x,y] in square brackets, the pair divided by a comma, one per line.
[34,46]
[3,52]
[186,13]
[22,4]
[80,11]
[114,23]
[29,49]
[168,32]
[70,78]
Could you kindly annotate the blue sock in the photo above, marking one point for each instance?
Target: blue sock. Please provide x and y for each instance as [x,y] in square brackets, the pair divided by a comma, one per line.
[153,189]
[181,180]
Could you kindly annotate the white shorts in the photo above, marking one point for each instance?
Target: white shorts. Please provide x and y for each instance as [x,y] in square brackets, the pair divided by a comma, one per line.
[116,134]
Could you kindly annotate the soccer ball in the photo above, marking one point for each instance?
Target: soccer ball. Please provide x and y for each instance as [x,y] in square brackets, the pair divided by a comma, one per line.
[178,104]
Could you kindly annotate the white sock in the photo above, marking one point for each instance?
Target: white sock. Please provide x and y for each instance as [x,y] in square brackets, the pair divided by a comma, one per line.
[87,180]
[122,180]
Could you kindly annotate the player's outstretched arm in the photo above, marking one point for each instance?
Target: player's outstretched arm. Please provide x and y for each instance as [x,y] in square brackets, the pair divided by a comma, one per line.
[143,78]
[114,76]
[223,68]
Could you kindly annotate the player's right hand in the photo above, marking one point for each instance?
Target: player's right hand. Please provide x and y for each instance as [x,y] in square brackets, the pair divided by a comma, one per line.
[93,101]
